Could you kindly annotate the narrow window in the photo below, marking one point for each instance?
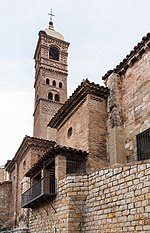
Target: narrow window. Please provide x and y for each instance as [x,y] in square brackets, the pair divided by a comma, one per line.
[57,98]
[47,81]
[143,145]
[54,53]
[54,83]
[60,84]
[50,95]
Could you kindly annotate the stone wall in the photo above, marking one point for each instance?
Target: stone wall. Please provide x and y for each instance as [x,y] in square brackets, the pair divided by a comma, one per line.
[64,213]
[128,110]
[109,200]
[5,194]
[136,103]
[118,200]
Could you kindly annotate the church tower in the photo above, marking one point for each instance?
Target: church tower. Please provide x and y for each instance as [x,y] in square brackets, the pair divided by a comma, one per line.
[50,85]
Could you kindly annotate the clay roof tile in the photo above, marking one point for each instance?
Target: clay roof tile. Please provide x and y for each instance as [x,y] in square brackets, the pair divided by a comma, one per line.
[134,52]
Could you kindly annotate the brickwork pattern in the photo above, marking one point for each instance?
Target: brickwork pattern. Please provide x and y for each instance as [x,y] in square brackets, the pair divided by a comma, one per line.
[2,174]
[53,70]
[5,194]
[88,123]
[29,152]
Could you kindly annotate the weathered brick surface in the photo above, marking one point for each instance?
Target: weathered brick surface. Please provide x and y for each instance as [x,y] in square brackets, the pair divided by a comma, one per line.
[2,174]
[88,123]
[5,195]
[28,153]
[109,200]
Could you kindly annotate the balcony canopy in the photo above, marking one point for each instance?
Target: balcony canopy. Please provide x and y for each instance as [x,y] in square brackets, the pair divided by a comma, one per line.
[49,156]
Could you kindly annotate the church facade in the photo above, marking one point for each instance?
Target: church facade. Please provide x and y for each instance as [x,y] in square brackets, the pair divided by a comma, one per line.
[87,166]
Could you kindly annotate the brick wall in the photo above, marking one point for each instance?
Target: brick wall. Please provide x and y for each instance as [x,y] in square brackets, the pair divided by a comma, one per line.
[109,200]
[88,123]
[2,174]
[20,183]
[51,69]
[5,195]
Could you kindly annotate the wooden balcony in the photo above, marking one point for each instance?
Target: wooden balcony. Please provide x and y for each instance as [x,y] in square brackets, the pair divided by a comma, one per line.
[41,191]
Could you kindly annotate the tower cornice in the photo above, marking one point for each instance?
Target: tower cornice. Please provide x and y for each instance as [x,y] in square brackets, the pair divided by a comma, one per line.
[42,35]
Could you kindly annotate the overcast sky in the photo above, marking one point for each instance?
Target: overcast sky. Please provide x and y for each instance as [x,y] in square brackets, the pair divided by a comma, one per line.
[101,33]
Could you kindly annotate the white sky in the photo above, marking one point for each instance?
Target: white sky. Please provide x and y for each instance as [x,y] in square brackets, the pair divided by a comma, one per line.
[101,33]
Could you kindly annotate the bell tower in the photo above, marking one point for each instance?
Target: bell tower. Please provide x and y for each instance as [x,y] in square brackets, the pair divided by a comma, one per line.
[50,85]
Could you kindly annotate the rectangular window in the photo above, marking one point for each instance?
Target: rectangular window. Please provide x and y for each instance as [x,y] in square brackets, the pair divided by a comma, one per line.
[76,165]
[143,145]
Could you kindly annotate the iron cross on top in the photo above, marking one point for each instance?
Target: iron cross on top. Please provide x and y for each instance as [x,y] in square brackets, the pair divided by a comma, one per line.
[51,15]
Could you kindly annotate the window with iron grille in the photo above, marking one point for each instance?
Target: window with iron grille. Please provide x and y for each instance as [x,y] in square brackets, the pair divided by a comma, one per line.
[143,145]
[76,166]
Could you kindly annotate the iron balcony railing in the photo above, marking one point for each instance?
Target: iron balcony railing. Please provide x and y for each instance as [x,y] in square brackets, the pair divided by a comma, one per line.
[41,188]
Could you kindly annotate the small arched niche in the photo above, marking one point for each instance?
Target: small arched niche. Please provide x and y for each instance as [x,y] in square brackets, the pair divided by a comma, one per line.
[50,95]
[57,98]
[47,81]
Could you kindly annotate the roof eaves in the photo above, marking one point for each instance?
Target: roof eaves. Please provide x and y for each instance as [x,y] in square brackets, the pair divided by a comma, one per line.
[78,95]
[131,58]
[54,151]
[26,143]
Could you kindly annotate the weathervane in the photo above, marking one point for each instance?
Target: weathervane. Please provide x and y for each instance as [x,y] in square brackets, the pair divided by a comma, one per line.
[51,15]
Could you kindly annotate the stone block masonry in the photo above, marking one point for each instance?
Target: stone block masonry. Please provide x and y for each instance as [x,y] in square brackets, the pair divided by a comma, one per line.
[109,200]
[118,200]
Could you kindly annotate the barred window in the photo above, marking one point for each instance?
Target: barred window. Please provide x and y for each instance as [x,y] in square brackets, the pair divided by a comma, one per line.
[143,145]
[76,165]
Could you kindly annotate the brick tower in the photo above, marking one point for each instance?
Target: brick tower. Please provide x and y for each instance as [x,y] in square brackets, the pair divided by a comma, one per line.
[50,85]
